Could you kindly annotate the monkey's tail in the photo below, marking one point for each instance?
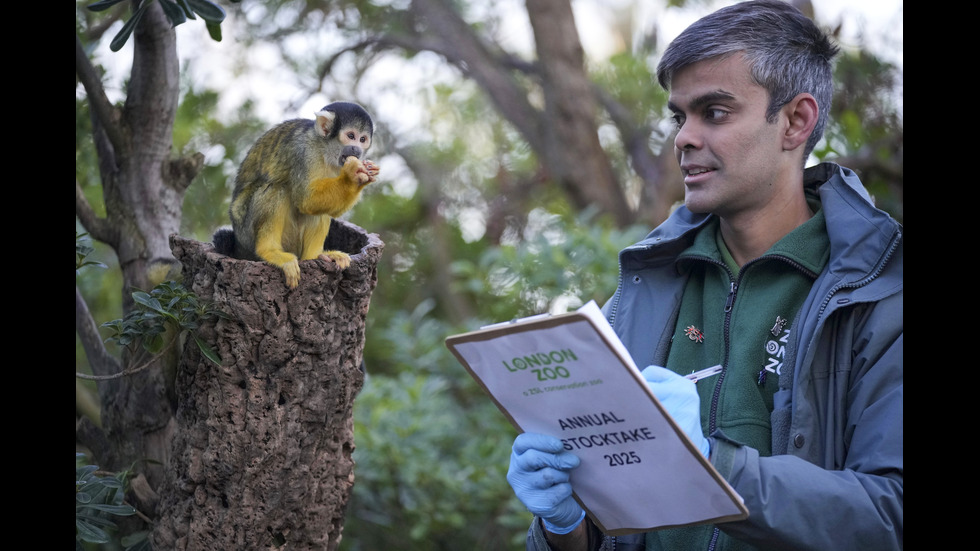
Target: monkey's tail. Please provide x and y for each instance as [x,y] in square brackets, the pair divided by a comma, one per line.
[224,240]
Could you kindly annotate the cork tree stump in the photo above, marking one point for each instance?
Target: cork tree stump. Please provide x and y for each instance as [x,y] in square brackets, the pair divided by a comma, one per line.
[261,455]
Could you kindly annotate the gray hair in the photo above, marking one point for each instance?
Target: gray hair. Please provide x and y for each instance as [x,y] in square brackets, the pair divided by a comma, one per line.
[787,53]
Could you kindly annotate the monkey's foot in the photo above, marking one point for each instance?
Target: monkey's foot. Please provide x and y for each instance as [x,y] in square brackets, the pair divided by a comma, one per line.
[291,269]
[340,257]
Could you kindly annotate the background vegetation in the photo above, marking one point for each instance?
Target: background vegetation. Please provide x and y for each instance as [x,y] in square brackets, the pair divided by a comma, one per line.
[483,218]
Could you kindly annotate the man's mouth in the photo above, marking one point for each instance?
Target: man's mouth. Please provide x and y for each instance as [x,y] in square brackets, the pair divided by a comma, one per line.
[696,171]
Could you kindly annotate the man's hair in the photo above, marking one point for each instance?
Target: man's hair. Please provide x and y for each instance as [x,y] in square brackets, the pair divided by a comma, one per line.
[785,50]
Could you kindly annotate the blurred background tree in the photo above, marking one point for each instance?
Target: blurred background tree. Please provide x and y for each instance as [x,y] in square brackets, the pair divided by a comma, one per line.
[522,144]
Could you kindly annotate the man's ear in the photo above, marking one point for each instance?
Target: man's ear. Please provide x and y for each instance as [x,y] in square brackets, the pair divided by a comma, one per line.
[801,114]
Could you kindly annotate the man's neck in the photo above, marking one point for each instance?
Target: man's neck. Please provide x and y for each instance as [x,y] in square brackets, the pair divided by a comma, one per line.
[749,235]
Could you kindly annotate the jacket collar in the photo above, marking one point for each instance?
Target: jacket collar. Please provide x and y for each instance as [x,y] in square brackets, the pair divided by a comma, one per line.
[860,234]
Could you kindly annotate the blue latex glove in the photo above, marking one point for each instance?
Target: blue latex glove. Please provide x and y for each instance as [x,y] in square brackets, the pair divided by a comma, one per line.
[680,398]
[538,474]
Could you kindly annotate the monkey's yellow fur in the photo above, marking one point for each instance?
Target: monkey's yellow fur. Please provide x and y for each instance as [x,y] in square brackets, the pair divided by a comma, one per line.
[295,179]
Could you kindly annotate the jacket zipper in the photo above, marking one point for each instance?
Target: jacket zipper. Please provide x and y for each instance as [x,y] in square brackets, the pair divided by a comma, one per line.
[611,318]
[714,538]
[715,395]
[896,239]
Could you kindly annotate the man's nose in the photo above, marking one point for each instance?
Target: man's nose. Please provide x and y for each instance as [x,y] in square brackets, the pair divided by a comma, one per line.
[687,137]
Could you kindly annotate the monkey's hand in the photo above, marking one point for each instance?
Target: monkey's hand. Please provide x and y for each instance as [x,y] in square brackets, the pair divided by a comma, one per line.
[356,171]
[372,169]
[340,257]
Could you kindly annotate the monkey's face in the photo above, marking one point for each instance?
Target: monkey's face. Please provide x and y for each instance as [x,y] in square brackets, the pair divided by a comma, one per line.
[355,142]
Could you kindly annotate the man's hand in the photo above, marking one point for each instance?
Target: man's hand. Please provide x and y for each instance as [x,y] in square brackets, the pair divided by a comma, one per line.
[539,476]
[680,398]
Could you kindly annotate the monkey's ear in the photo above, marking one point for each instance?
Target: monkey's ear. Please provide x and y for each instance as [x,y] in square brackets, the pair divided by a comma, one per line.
[324,122]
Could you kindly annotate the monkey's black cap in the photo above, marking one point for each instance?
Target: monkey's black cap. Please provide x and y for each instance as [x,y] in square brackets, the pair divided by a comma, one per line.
[351,114]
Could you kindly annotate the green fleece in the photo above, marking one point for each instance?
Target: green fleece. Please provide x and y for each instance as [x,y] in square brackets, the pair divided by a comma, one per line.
[739,319]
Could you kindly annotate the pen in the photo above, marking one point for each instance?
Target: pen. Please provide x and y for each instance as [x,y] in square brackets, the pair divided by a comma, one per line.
[698,375]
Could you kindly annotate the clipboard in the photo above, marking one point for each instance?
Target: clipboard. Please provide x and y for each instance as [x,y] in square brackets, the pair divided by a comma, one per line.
[569,375]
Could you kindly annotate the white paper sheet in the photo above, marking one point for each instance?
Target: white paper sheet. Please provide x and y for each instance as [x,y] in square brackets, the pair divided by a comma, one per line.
[570,376]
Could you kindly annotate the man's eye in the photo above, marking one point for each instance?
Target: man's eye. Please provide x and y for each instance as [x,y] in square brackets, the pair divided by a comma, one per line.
[715,114]
[678,120]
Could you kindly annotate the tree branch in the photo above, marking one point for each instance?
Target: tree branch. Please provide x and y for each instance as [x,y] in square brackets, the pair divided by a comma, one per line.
[181,172]
[95,29]
[148,361]
[103,110]
[102,362]
[662,185]
[87,404]
[98,228]
[444,32]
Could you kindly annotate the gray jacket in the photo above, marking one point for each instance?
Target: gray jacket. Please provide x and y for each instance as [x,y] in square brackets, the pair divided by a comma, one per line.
[835,479]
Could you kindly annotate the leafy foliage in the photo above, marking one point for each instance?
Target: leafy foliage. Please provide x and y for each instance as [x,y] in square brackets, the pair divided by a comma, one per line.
[168,307]
[866,119]
[99,498]
[560,263]
[82,251]
[429,470]
[432,449]
[177,12]
[224,144]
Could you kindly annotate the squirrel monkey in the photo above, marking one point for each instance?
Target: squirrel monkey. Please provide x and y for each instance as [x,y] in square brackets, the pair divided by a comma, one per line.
[294,180]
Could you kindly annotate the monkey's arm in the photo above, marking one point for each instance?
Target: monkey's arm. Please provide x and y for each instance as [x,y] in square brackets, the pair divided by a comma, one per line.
[336,195]
[332,197]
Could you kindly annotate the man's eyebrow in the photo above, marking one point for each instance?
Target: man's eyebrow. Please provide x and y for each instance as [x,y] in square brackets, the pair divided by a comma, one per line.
[702,100]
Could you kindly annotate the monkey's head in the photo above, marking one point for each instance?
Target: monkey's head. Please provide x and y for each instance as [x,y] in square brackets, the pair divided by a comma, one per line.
[349,124]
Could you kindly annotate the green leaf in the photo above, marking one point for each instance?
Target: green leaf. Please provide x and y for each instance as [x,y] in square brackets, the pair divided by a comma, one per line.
[214,30]
[93,518]
[208,11]
[141,297]
[136,541]
[208,352]
[121,510]
[113,483]
[86,470]
[90,533]
[103,5]
[89,263]
[153,344]
[173,12]
[127,29]
[187,9]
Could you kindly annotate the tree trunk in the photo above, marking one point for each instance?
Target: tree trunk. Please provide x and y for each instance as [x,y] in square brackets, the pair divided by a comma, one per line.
[262,452]
[143,188]
[564,134]
[571,150]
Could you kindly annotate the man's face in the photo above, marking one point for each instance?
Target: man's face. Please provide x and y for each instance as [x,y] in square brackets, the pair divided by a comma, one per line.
[732,159]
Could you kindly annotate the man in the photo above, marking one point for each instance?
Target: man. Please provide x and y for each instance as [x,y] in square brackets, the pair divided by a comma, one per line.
[788,277]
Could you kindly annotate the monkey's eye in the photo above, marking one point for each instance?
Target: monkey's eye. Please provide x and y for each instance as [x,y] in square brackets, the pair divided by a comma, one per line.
[350,135]
[363,139]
